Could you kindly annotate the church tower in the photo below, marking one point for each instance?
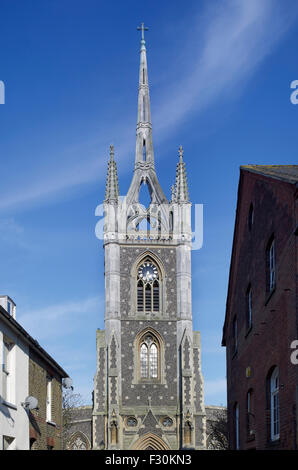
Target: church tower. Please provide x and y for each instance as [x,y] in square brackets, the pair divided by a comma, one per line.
[148,386]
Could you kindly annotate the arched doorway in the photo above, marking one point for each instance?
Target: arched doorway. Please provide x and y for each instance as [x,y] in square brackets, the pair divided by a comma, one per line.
[150,441]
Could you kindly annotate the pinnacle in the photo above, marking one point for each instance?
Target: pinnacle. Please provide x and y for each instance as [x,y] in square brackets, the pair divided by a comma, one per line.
[112,185]
[180,193]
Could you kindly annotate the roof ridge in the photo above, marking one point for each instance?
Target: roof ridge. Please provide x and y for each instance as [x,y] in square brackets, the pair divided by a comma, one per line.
[287,173]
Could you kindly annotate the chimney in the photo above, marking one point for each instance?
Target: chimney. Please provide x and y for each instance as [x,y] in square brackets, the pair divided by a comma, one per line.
[9,305]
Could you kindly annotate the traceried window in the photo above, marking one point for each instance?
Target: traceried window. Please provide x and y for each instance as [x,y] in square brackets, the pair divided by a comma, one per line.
[149,357]
[131,422]
[148,287]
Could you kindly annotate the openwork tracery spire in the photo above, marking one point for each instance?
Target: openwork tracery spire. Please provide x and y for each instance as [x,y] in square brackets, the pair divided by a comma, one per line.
[144,157]
[144,147]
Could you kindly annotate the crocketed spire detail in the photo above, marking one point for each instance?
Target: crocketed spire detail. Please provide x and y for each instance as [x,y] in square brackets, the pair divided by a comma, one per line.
[181,187]
[112,185]
[144,160]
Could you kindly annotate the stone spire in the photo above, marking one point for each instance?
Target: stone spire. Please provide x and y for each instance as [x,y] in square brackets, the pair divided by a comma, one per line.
[112,185]
[181,186]
[144,171]
[144,147]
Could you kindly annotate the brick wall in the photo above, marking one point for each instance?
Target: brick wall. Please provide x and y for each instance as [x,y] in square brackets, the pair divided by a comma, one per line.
[274,323]
[42,434]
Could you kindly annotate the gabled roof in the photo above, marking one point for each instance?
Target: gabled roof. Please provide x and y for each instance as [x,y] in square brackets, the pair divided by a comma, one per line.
[287,173]
[6,317]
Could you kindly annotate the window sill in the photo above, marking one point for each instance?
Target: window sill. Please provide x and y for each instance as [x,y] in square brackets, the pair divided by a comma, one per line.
[8,404]
[269,295]
[51,423]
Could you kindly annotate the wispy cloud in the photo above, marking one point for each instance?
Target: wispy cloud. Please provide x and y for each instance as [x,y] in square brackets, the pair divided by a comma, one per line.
[234,39]
[59,319]
[228,42]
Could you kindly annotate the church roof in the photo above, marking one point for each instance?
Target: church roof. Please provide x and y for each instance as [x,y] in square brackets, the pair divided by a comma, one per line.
[287,173]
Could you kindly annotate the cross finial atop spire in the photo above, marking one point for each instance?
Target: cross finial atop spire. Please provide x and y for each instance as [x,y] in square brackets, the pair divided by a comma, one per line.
[142,28]
[181,152]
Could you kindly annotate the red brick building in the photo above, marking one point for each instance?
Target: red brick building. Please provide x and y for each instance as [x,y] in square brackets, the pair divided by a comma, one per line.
[261,324]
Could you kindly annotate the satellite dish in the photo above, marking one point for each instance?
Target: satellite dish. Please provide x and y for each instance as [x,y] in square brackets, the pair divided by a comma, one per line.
[30,403]
[67,383]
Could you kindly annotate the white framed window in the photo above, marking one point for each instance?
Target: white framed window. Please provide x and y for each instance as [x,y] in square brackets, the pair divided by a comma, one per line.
[272,277]
[49,399]
[7,370]
[274,404]
[236,420]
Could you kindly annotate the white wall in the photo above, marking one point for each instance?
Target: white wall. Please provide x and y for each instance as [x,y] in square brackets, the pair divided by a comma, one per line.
[14,422]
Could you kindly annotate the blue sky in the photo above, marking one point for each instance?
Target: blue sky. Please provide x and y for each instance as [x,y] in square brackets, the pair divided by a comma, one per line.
[219,74]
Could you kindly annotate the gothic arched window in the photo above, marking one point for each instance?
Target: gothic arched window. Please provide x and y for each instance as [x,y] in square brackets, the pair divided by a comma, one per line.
[149,351]
[148,287]
[78,441]
[114,433]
